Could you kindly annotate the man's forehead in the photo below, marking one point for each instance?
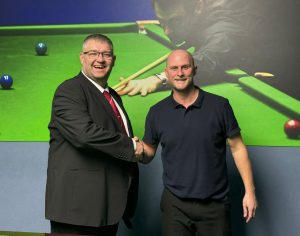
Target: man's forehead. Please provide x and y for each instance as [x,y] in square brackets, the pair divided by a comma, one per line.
[97,43]
[179,56]
[179,62]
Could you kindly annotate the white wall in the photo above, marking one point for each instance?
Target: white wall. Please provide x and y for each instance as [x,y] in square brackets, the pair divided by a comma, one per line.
[277,172]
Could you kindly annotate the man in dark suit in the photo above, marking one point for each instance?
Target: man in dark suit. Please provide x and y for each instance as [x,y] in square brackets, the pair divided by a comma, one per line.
[92,175]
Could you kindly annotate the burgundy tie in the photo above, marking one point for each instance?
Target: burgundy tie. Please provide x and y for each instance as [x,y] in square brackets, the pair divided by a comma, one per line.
[114,107]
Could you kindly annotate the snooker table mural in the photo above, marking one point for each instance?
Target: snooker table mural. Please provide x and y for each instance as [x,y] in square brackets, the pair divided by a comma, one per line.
[261,109]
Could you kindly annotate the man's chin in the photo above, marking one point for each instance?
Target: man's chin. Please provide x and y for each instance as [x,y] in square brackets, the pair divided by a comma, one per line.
[180,88]
[100,76]
[101,73]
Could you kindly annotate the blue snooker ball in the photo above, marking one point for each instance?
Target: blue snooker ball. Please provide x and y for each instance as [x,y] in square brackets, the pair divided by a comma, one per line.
[41,48]
[6,81]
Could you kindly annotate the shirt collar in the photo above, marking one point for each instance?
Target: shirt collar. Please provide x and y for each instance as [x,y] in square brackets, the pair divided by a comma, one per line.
[197,103]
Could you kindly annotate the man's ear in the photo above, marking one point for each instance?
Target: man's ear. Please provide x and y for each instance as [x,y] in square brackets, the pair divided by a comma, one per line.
[114,60]
[199,6]
[194,70]
[81,58]
[166,73]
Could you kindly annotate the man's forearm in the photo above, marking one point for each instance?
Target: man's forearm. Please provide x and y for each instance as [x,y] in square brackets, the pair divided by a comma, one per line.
[244,167]
[148,154]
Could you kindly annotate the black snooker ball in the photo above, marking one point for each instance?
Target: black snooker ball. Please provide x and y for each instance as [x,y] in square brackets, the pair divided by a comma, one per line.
[6,81]
[292,129]
[41,49]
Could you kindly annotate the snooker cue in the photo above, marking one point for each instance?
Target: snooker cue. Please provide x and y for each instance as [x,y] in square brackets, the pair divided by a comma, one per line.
[145,22]
[143,70]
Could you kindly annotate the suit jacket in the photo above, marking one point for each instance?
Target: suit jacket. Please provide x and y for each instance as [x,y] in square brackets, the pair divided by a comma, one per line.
[92,176]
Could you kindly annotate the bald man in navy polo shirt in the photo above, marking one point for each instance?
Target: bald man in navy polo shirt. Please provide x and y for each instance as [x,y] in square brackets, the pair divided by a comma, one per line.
[193,127]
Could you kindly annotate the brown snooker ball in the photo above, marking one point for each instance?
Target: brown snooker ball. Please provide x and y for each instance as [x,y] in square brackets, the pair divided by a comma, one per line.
[292,129]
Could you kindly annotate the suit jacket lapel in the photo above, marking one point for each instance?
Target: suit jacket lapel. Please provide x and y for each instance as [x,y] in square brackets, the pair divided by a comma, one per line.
[101,100]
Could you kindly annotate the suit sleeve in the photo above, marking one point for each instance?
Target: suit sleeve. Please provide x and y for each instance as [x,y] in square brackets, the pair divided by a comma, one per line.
[72,119]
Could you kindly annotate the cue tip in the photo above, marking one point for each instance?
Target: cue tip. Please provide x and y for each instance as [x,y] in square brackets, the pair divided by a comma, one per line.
[263,74]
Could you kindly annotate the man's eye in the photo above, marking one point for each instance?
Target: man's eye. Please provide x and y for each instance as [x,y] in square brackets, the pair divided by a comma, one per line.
[93,54]
[107,54]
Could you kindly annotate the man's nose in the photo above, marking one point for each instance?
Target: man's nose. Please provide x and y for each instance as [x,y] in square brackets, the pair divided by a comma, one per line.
[180,72]
[100,57]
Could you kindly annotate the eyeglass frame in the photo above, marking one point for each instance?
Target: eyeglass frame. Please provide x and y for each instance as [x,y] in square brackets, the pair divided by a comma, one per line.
[105,55]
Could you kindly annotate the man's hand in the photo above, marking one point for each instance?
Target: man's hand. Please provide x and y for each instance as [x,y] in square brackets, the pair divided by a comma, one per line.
[143,86]
[249,206]
[139,151]
[243,164]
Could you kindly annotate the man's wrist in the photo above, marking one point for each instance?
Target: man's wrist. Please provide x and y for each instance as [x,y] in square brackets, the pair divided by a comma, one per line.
[143,154]
[162,78]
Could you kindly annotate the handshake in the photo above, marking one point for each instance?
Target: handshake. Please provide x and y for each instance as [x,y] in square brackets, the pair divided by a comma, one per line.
[139,153]
[144,153]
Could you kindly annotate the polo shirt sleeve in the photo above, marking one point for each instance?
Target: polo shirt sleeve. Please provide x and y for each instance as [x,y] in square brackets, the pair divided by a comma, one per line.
[231,124]
[150,135]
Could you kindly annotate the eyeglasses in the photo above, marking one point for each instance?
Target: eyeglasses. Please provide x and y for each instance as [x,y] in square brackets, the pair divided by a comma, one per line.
[95,54]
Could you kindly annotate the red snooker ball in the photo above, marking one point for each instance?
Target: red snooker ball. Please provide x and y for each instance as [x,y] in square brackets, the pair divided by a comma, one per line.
[292,128]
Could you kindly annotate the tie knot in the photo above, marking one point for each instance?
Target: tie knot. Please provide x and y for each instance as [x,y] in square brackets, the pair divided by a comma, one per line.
[107,95]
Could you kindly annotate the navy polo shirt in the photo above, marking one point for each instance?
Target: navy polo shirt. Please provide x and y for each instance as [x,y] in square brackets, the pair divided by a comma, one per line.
[193,144]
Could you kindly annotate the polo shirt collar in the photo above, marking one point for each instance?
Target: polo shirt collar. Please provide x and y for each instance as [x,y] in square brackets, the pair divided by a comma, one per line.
[197,103]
